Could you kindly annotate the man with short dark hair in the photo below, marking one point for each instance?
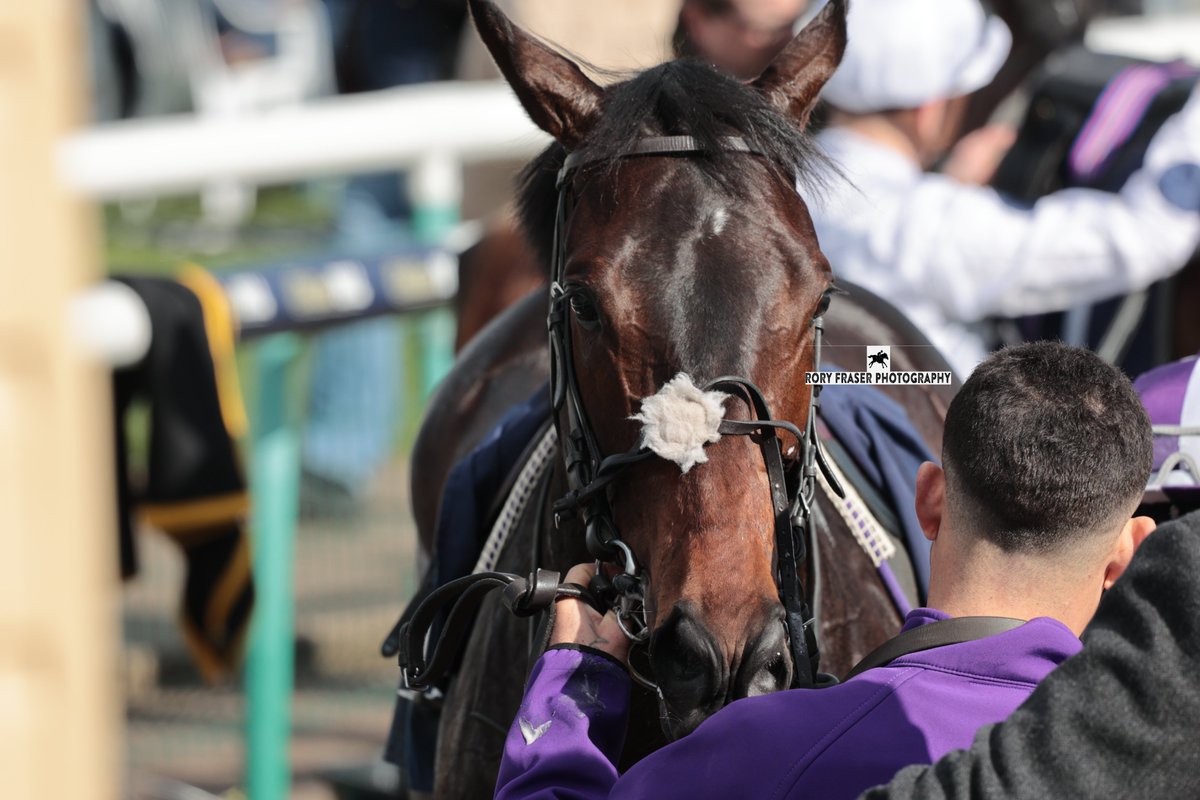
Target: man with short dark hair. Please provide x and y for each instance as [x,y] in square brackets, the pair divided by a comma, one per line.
[1046,453]
[1046,450]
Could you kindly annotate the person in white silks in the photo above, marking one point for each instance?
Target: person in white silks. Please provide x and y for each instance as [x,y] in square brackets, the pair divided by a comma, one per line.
[946,250]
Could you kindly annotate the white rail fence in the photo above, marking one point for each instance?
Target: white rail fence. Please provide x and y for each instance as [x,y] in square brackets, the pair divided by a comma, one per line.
[404,127]
[431,130]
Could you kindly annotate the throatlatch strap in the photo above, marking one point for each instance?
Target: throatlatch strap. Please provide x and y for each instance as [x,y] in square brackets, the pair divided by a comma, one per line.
[935,634]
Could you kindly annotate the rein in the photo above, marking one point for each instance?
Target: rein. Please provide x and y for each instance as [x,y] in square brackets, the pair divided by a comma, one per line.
[590,475]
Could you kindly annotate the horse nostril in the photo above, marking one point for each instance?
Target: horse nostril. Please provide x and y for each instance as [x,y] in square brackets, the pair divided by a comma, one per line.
[780,669]
[777,666]
[767,667]
[687,663]
[688,666]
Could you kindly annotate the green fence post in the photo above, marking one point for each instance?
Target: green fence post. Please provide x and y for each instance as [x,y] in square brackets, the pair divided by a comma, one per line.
[274,489]
[436,187]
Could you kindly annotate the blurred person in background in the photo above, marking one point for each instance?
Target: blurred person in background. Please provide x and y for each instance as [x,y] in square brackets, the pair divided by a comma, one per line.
[738,36]
[355,396]
[111,66]
[1038,29]
[948,251]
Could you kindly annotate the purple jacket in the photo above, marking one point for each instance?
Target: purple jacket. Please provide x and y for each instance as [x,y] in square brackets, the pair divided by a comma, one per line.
[802,744]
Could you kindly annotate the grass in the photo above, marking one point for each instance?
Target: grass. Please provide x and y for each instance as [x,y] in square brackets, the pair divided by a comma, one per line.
[155,237]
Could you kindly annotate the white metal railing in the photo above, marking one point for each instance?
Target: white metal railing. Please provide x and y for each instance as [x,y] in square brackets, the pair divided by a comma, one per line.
[465,122]
[431,130]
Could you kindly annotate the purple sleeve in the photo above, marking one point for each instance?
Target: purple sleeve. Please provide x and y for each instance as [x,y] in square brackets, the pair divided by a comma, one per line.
[569,731]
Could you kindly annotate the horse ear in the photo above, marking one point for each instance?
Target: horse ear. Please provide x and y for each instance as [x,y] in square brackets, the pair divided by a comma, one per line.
[793,81]
[556,94]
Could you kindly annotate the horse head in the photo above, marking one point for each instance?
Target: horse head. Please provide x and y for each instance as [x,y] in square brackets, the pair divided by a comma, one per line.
[705,265]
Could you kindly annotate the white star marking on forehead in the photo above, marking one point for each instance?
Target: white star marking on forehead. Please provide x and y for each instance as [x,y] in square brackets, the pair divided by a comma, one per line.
[717,220]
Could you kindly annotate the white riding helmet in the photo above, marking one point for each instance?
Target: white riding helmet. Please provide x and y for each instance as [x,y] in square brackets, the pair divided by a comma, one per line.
[905,53]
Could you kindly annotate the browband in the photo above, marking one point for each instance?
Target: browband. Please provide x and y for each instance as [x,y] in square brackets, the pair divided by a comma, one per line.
[657,146]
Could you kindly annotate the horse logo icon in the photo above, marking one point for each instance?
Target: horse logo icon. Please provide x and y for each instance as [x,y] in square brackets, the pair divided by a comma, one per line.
[879,358]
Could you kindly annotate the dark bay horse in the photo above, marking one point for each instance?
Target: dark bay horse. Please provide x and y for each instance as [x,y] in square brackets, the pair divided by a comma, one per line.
[704,264]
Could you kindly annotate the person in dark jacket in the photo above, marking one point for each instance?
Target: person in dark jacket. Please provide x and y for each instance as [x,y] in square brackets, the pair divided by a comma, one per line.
[1118,720]
[1047,451]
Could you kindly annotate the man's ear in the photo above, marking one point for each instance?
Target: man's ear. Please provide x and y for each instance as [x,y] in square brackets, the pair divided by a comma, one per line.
[1132,535]
[793,80]
[556,94]
[931,499]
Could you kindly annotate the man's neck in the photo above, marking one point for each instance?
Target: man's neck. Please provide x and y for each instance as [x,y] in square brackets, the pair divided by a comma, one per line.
[880,130]
[1011,586]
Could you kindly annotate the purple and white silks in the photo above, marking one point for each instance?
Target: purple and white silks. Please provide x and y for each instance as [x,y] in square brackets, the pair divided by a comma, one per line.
[1171,394]
[1118,112]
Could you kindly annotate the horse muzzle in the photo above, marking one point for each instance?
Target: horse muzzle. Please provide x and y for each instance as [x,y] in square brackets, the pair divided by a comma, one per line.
[696,677]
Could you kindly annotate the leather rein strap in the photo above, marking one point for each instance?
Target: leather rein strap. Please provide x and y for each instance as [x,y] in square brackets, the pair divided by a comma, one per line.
[934,634]
[463,596]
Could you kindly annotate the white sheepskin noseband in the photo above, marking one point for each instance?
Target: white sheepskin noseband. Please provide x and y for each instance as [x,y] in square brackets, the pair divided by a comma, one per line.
[679,420]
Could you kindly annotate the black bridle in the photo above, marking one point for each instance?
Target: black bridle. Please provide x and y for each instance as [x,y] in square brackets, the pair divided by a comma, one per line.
[590,475]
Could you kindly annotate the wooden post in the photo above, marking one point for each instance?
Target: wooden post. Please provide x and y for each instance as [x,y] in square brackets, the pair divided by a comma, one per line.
[58,614]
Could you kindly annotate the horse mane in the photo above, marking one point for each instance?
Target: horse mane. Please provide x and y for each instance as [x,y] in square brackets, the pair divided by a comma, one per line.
[686,97]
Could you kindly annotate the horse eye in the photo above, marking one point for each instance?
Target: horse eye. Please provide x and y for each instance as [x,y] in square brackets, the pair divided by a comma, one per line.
[823,306]
[585,311]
